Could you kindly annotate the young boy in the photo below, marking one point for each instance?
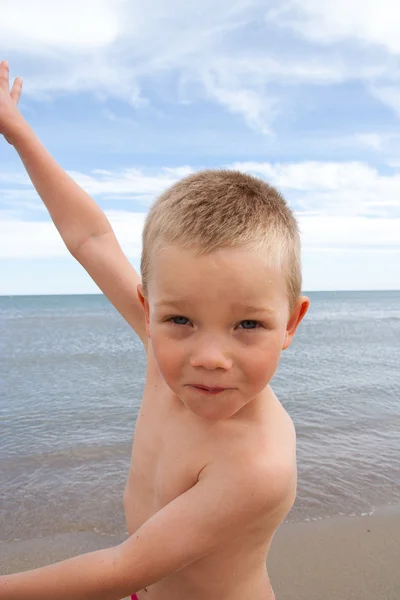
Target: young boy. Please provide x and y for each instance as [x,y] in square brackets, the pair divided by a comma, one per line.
[213,470]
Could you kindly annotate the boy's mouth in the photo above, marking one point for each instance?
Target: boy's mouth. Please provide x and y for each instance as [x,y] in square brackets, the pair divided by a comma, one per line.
[208,390]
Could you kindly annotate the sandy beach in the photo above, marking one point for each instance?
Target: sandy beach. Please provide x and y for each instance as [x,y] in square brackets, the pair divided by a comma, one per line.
[342,558]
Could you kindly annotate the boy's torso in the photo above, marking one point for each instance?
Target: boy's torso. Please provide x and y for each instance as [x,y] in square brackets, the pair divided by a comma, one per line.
[170,448]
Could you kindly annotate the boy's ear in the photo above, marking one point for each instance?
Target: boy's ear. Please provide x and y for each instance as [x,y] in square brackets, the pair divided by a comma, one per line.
[144,302]
[297,315]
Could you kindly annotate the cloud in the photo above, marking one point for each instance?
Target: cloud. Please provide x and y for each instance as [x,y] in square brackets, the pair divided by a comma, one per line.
[129,184]
[47,25]
[74,44]
[175,79]
[389,95]
[115,46]
[104,79]
[345,234]
[333,188]
[40,239]
[340,206]
[233,52]
[257,111]
[372,140]
[366,21]
[313,188]
[121,184]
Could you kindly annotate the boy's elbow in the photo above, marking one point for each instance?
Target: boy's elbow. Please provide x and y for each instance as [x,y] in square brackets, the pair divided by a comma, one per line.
[83,247]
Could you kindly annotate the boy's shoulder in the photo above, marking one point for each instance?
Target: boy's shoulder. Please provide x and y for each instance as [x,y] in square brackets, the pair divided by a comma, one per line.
[264,452]
[260,449]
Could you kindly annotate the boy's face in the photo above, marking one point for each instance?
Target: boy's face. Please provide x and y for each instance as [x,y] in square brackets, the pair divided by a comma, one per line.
[219,321]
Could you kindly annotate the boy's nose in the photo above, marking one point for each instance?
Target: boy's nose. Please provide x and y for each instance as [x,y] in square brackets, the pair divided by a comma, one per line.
[210,356]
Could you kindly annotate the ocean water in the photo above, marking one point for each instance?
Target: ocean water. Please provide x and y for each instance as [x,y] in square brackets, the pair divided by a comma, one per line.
[71,378]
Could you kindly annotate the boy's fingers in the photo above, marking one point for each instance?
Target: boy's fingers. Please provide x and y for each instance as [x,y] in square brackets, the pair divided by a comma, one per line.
[4,75]
[16,90]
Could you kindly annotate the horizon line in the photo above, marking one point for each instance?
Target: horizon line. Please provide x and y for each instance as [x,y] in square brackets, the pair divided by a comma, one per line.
[101,294]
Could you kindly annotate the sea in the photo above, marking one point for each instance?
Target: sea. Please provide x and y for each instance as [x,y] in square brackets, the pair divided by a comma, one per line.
[71,380]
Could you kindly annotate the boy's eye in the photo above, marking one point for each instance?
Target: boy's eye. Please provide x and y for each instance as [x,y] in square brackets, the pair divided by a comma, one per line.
[179,320]
[249,324]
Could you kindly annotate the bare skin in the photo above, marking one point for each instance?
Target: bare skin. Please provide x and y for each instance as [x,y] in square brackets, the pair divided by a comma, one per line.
[168,453]
[178,434]
[211,476]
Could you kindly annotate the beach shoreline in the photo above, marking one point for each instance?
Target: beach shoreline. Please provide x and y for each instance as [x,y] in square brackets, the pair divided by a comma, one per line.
[339,558]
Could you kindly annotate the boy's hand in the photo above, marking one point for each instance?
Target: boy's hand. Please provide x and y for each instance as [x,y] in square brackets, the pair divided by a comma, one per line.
[9,113]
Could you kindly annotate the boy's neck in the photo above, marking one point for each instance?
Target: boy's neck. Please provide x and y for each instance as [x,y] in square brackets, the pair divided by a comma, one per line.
[253,411]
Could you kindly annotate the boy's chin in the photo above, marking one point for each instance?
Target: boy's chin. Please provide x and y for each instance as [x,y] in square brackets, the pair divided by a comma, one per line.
[210,407]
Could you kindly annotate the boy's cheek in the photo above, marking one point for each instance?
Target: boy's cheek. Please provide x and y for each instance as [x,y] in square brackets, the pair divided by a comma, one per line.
[167,357]
[266,364]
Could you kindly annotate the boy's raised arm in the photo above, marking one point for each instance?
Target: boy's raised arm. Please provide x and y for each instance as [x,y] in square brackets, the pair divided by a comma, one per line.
[83,226]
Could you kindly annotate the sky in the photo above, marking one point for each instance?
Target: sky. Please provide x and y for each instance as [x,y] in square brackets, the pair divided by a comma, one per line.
[131,96]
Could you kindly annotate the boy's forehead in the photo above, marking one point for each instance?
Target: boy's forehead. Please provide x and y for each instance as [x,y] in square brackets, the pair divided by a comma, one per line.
[180,274]
[175,258]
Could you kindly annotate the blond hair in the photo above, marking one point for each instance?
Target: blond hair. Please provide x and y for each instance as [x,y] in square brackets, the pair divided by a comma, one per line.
[214,209]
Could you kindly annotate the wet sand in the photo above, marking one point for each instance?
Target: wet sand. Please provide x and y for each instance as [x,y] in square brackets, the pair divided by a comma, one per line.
[343,558]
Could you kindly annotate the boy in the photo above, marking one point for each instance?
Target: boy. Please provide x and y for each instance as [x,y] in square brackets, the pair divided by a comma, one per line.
[213,470]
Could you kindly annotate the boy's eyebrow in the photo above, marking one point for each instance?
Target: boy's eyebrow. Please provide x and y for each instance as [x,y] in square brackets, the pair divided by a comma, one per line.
[161,303]
[253,308]
[235,306]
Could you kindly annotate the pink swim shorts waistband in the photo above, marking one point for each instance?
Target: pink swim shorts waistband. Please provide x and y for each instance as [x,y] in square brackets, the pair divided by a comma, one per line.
[134,597]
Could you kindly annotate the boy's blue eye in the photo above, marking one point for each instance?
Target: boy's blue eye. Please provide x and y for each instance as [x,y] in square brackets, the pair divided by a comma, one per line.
[249,324]
[181,320]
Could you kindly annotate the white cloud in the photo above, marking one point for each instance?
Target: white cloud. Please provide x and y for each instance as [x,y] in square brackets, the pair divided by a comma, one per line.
[19,197]
[345,189]
[179,172]
[352,189]
[256,59]
[372,140]
[123,184]
[45,24]
[20,239]
[92,74]
[257,111]
[345,234]
[331,214]
[334,203]
[40,239]
[13,178]
[110,47]
[323,21]
[389,95]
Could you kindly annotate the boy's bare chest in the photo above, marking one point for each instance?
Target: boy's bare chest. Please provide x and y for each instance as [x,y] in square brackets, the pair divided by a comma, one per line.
[168,453]
[171,446]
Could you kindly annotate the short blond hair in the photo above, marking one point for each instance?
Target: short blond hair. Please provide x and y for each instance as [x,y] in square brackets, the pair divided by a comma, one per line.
[214,209]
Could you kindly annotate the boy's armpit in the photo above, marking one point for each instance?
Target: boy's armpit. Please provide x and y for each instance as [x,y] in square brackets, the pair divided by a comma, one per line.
[218,508]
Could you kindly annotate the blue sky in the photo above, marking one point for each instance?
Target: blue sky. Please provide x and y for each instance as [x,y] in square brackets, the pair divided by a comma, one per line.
[131,96]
